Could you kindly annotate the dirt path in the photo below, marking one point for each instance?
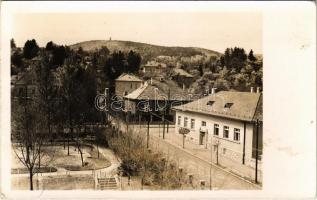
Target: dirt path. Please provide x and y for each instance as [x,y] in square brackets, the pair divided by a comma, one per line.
[107,171]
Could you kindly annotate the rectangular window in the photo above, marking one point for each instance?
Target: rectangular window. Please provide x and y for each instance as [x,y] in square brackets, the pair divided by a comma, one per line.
[236,135]
[192,123]
[131,86]
[203,123]
[179,120]
[216,129]
[185,121]
[226,132]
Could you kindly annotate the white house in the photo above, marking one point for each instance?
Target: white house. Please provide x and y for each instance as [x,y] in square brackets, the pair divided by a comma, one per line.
[229,122]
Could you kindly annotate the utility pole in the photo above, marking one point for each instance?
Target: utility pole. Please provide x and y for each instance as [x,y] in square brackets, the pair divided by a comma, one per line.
[140,121]
[256,151]
[127,121]
[148,132]
[164,125]
[159,130]
[168,107]
[210,163]
[97,142]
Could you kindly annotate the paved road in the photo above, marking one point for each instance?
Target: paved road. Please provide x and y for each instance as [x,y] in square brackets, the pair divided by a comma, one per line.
[199,167]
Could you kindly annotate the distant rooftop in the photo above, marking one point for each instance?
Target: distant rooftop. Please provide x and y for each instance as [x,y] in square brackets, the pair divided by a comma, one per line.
[146,92]
[157,91]
[128,77]
[182,72]
[154,64]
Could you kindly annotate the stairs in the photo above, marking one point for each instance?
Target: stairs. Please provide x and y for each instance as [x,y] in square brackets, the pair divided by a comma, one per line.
[109,183]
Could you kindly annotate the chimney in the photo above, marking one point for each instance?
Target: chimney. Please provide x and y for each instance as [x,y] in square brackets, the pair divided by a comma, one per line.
[213,90]
[143,69]
[252,90]
[106,91]
[258,90]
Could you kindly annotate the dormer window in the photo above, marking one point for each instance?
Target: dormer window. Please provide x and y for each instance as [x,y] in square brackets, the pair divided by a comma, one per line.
[228,105]
[209,103]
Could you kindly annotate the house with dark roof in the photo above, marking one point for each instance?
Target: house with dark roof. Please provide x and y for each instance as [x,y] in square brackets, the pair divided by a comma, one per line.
[229,124]
[155,97]
[24,84]
[183,77]
[126,83]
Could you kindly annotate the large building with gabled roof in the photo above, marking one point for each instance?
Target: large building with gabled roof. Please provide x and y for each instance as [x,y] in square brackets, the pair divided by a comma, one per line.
[155,97]
[230,124]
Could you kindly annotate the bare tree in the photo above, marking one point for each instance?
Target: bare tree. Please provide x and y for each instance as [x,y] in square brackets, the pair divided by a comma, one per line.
[46,95]
[26,135]
[79,141]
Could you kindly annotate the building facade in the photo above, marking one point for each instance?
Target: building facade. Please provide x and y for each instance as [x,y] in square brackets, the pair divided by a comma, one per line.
[230,125]
[152,67]
[152,99]
[126,83]
[183,77]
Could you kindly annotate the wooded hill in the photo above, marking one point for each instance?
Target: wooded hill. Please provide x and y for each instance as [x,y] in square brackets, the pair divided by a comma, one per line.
[147,51]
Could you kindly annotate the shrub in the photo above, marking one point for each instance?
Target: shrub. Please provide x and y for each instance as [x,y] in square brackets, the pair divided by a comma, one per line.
[138,161]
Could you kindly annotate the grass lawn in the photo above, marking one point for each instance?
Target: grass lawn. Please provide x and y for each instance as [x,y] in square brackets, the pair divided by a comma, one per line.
[56,156]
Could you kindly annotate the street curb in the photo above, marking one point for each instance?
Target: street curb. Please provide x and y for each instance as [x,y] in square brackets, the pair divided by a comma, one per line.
[229,172]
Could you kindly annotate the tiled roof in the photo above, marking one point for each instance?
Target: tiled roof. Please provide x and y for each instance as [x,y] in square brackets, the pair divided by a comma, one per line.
[128,77]
[154,64]
[159,91]
[147,92]
[182,72]
[242,105]
[171,87]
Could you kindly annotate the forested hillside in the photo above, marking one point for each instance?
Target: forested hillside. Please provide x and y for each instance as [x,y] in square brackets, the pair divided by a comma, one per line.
[235,69]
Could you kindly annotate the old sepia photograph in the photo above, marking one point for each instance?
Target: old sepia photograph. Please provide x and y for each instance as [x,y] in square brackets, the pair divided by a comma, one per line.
[140,99]
[130,101]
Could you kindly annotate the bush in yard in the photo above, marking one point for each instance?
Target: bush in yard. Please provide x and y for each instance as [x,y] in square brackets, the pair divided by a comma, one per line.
[138,161]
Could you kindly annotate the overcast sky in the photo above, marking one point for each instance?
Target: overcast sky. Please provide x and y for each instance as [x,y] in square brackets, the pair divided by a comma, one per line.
[215,31]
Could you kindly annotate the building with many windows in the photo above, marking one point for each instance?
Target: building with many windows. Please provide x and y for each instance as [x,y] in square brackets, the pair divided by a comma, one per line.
[229,124]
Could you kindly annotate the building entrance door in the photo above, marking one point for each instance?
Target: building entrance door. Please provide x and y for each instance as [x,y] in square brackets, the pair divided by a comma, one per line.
[201,138]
